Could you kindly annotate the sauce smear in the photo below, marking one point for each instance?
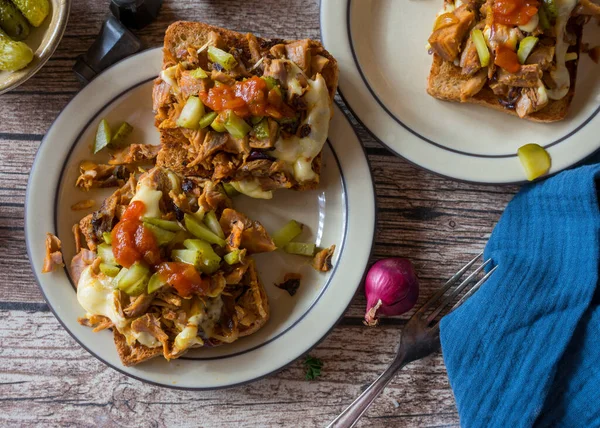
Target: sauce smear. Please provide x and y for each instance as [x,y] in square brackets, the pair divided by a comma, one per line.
[246,98]
[184,277]
[507,59]
[132,242]
[514,12]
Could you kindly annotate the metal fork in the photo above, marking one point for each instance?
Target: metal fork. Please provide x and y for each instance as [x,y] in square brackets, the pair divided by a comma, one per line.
[420,337]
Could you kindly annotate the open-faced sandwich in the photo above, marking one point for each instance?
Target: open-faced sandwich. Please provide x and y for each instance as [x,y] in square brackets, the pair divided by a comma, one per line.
[518,56]
[248,111]
[168,267]
[166,261]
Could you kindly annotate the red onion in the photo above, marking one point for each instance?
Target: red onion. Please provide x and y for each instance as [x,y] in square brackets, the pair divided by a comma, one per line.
[391,287]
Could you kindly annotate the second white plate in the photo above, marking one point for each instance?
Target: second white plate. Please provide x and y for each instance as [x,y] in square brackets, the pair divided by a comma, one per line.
[380,47]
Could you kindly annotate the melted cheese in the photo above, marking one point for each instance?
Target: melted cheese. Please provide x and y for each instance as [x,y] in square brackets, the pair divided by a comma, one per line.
[147,339]
[300,152]
[97,296]
[168,75]
[146,193]
[560,74]
[213,309]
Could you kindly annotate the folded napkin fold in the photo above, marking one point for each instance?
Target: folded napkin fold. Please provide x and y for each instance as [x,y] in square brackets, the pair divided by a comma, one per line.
[525,349]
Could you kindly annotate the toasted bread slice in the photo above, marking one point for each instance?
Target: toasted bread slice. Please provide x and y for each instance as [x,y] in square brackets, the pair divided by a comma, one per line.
[446,80]
[133,354]
[183,35]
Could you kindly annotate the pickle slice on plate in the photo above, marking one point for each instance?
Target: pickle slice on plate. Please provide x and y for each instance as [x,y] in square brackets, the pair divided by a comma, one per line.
[535,160]
[103,136]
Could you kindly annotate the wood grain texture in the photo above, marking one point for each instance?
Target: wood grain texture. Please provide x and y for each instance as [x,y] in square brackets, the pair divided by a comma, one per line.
[48,380]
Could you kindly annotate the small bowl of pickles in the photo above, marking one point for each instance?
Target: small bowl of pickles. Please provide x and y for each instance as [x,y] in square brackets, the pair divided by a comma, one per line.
[30,31]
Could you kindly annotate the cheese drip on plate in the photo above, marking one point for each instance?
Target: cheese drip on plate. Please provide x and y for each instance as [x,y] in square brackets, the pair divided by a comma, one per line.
[300,152]
[560,74]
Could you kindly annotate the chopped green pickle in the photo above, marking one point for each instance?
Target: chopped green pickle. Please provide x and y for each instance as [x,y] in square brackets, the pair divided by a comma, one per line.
[103,136]
[210,220]
[139,287]
[191,114]
[261,130]
[270,81]
[230,190]
[535,160]
[155,283]
[105,253]
[256,119]
[236,126]
[287,233]
[107,237]
[134,281]
[209,261]
[300,248]
[162,236]
[34,10]
[544,21]
[219,124]
[170,225]
[199,230]
[198,73]
[525,47]
[116,279]
[482,49]
[550,9]
[124,131]
[207,119]
[12,21]
[232,257]
[109,270]
[224,59]
[13,55]
[191,257]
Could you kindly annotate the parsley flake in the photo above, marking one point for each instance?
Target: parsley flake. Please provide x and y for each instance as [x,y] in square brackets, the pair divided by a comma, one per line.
[313,367]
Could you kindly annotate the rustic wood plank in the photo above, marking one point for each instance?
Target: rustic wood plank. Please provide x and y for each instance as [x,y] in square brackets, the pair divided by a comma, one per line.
[68,380]
[47,379]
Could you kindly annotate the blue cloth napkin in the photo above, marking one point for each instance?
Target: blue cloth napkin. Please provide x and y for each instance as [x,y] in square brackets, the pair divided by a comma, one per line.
[525,349]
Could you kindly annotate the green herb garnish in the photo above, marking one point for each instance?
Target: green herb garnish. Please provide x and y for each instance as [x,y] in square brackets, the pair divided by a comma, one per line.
[313,367]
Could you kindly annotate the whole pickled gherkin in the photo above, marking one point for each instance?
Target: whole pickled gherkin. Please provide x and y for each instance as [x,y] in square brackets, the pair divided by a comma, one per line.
[13,55]
[34,10]
[12,21]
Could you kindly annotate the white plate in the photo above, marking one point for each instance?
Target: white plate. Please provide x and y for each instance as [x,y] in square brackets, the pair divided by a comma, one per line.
[380,47]
[341,212]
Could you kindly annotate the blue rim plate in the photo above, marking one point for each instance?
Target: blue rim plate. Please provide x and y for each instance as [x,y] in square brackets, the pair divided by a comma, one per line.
[341,212]
[384,64]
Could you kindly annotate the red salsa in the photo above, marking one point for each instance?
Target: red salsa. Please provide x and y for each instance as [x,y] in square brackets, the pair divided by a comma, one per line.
[184,277]
[514,12]
[250,97]
[507,59]
[132,242]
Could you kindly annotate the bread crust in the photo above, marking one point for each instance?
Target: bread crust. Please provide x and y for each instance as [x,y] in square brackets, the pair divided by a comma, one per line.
[182,34]
[445,80]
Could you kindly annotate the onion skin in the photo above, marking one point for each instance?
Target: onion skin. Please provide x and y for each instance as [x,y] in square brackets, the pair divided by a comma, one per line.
[391,288]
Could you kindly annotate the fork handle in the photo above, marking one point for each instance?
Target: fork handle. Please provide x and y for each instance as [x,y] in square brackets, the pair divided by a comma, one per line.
[354,411]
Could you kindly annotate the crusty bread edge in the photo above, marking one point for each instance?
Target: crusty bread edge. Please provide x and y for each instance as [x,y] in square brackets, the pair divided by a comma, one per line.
[176,29]
[556,110]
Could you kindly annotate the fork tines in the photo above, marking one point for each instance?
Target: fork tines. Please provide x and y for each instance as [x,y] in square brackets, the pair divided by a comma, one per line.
[469,285]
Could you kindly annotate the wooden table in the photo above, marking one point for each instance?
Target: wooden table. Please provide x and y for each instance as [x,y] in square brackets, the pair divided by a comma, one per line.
[46,378]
